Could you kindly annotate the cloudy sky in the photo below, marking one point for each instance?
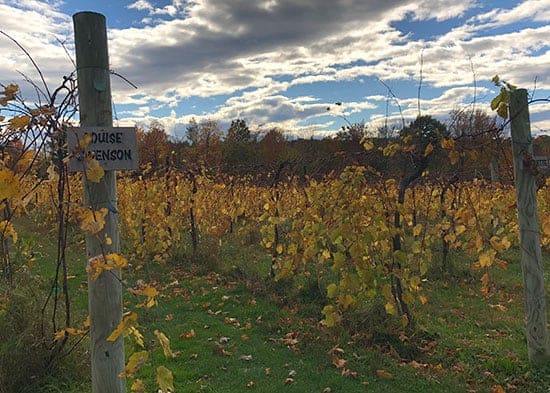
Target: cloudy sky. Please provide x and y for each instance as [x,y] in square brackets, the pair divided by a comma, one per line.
[284,62]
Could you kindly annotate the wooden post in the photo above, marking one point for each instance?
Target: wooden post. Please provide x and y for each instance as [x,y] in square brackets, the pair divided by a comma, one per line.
[529,230]
[105,293]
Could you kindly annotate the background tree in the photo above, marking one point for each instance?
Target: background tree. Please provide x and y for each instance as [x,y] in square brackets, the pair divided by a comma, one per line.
[239,148]
[153,146]
[205,139]
[273,147]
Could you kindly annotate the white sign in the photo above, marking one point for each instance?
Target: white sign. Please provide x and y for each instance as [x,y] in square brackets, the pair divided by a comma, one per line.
[113,147]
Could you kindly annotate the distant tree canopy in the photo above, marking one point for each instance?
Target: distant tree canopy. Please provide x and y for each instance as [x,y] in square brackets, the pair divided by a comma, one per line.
[239,148]
[417,147]
[238,131]
[153,147]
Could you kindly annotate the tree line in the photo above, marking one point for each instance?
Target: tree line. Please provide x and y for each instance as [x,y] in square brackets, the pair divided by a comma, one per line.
[484,146]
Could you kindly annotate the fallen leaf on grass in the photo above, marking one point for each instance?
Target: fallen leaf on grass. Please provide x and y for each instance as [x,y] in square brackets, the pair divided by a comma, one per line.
[232,321]
[383,374]
[417,365]
[458,367]
[497,389]
[288,381]
[351,374]
[250,384]
[339,363]
[246,358]
[217,348]
[267,371]
[290,338]
[189,334]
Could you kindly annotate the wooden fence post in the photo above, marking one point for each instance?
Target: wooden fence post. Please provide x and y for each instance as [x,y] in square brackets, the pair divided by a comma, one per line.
[529,230]
[105,293]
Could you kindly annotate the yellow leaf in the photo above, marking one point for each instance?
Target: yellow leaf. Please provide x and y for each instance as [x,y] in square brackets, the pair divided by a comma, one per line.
[135,362]
[92,221]
[447,143]
[95,174]
[417,230]
[279,249]
[383,374]
[128,321]
[390,308]
[165,380]
[347,301]
[151,293]
[137,336]
[500,245]
[9,184]
[331,290]
[332,318]
[25,161]
[7,230]
[10,91]
[98,264]
[453,157]
[165,344]
[85,141]
[368,145]
[487,258]
[18,122]
[428,150]
[138,386]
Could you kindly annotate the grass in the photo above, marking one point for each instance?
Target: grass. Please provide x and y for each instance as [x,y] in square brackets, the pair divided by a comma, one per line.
[234,330]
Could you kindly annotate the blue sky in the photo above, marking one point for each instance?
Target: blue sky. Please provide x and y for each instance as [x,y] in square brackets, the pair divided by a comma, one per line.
[282,63]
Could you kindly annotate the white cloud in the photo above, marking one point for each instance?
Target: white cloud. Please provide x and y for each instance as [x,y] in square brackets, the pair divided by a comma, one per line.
[257,51]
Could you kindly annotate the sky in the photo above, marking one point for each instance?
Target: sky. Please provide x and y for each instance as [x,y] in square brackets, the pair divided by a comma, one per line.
[286,63]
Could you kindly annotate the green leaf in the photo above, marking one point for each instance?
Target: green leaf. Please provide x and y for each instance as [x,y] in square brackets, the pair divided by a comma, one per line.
[496,80]
[331,290]
[502,110]
[495,102]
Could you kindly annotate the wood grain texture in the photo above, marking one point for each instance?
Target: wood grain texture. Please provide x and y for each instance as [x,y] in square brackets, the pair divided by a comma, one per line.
[105,293]
[529,230]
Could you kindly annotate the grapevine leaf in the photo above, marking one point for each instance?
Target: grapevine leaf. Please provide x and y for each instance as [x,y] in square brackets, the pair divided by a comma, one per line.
[135,362]
[165,380]
[165,344]
[138,386]
[129,320]
[92,221]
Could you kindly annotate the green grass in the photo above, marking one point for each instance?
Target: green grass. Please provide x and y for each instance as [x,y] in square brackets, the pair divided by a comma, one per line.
[244,325]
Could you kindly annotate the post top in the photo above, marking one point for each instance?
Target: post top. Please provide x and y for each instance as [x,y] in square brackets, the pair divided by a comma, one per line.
[82,14]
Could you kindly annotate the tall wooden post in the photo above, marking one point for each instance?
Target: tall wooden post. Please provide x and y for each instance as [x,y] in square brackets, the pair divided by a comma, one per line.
[529,230]
[105,293]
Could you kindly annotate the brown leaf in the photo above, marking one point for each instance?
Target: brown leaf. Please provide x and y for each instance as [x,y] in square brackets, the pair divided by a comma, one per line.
[250,384]
[383,374]
[458,367]
[351,374]
[497,389]
[339,363]
[189,334]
